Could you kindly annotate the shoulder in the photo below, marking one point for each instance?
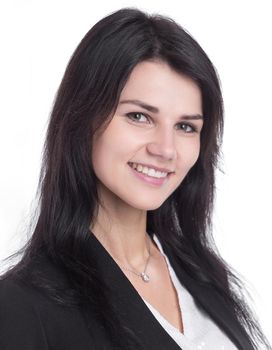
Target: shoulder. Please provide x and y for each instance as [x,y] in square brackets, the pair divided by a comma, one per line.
[15,302]
[30,320]
[19,318]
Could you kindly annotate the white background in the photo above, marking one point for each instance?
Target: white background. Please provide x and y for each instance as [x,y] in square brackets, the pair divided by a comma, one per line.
[38,37]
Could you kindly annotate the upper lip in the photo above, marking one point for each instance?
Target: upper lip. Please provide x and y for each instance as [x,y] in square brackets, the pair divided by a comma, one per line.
[163,170]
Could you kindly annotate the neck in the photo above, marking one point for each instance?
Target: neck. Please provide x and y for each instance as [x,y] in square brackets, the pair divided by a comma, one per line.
[122,231]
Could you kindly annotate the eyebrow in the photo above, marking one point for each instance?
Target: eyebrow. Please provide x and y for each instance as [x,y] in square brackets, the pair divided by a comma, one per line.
[156,110]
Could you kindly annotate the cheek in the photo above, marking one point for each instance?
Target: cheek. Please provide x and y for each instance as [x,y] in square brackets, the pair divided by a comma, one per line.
[100,155]
[189,154]
[109,155]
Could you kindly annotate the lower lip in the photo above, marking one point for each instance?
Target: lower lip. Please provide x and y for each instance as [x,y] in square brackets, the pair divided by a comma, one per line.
[150,180]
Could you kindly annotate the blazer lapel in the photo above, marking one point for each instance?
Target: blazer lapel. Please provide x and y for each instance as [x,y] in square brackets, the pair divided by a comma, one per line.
[137,316]
[132,309]
[209,300]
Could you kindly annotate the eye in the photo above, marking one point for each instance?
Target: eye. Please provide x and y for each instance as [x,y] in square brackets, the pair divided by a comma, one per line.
[137,117]
[187,128]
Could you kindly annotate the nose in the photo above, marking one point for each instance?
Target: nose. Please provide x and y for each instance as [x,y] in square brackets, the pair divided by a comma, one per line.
[163,145]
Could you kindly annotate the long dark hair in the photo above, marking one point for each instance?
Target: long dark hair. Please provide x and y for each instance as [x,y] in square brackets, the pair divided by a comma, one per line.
[85,102]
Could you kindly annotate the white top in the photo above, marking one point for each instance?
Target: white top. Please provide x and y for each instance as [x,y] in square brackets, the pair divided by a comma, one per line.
[200,332]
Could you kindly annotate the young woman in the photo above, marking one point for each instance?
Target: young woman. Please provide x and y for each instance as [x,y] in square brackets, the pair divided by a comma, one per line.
[121,255]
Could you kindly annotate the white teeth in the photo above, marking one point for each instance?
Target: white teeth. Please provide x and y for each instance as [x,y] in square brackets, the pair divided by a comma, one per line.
[145,170]
[148,171]
[152,172]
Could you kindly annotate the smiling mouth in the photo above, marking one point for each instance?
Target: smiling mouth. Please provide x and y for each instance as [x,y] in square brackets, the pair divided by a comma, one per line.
[148,171]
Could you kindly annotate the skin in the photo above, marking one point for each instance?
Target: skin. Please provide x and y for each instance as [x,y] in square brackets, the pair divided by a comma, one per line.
[167,138]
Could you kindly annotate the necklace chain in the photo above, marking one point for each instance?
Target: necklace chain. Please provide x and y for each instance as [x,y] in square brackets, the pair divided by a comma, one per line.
[144,276]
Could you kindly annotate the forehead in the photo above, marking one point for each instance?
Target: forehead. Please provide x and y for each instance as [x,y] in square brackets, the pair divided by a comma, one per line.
[155,82]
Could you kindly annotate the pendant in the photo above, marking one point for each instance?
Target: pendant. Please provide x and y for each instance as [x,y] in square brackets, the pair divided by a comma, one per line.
[145,277]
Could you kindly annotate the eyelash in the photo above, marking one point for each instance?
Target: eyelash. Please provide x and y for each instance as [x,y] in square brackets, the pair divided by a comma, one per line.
[131,116]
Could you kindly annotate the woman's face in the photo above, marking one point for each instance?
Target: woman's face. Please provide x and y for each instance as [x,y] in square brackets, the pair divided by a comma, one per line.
[152,140]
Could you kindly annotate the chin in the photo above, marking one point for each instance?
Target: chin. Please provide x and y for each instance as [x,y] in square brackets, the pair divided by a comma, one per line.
[147,205]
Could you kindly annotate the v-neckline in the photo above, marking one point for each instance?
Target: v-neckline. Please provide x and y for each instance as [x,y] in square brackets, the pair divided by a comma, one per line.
[129,303]
[158,244]
[151,307]
[138,317]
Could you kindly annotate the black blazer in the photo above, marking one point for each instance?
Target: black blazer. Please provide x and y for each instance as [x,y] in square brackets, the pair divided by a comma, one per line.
[31,321]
